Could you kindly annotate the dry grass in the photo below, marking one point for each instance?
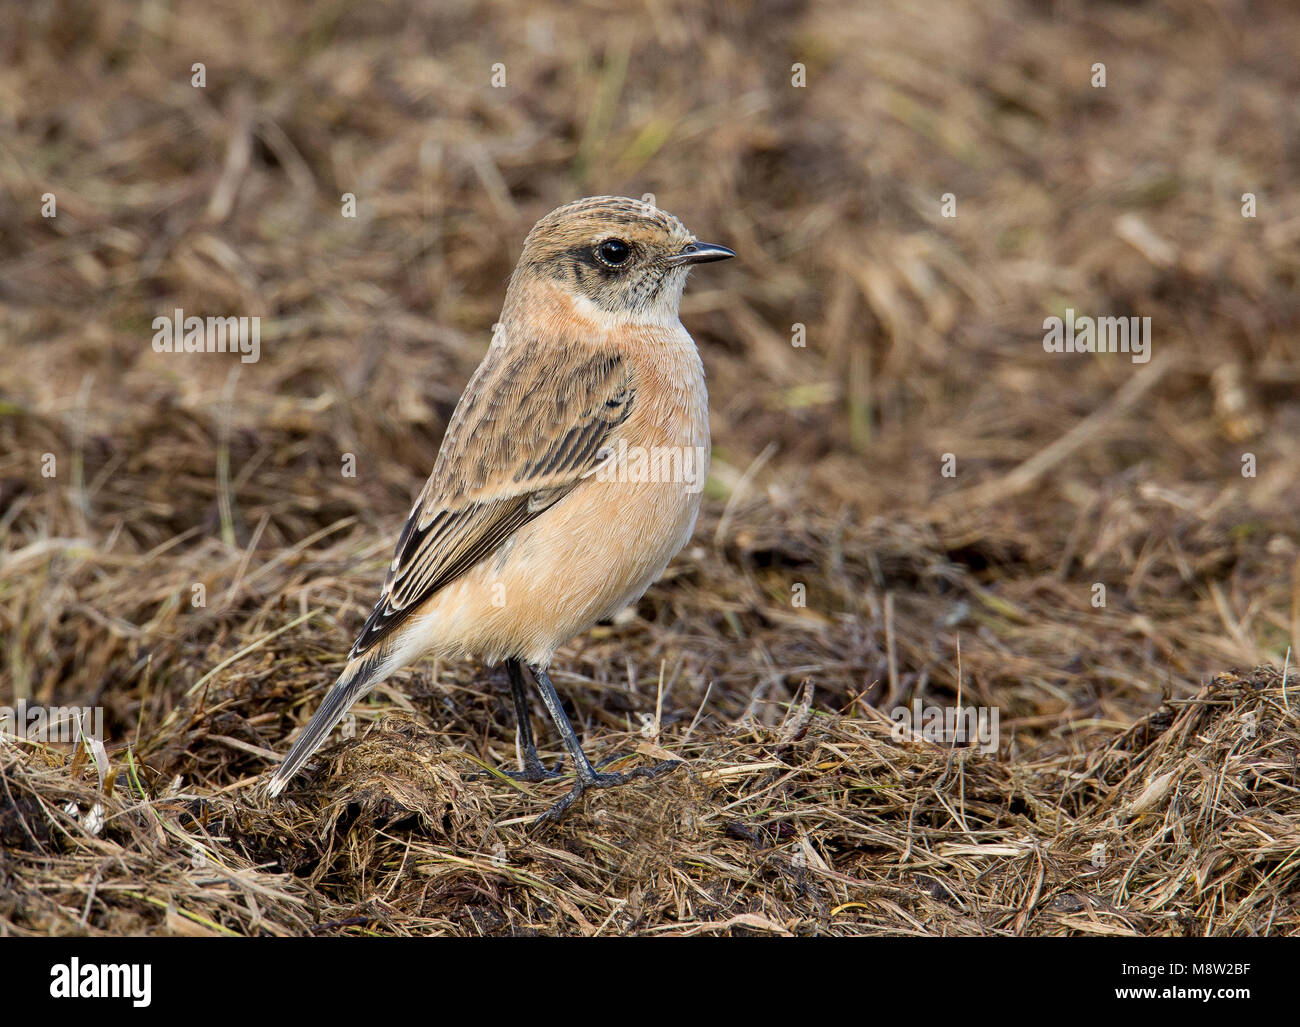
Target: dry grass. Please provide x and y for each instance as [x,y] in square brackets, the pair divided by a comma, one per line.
[1140,786]
[1187,822]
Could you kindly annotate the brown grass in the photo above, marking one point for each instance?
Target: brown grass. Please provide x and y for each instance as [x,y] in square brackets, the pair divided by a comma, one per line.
[1141,787]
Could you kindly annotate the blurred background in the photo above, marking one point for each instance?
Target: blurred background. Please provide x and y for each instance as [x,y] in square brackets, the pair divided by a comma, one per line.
[862,343]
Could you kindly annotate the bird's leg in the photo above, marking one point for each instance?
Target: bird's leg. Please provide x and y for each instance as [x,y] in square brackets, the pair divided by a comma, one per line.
[533,769]
[587,775]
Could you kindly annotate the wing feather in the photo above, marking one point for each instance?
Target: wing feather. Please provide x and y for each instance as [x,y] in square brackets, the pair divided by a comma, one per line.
[532,424]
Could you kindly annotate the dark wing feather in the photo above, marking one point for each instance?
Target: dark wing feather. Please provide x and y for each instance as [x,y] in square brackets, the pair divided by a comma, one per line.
[529,427]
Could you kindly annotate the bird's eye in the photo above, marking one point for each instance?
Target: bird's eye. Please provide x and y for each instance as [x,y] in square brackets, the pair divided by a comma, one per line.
[613,252]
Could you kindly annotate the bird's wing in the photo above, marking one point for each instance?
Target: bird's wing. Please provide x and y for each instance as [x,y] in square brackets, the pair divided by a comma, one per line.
[532,423]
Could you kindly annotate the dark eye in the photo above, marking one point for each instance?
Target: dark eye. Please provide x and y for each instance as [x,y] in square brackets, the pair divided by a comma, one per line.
[613,252]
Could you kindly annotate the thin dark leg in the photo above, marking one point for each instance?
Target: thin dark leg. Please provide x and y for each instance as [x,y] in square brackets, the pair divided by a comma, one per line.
[587,775]
[533,769]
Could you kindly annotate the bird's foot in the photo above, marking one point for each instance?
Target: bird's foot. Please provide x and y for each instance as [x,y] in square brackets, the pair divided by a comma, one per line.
[594,780]
[534,771]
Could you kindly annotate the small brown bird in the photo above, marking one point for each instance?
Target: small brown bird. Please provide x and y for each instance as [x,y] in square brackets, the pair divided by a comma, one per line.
[569,476]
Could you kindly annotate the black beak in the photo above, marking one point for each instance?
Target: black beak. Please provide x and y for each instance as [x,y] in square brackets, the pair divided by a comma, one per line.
[702,253]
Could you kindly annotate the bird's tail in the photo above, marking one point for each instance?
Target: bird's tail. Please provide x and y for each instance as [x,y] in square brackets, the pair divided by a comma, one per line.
[358,678]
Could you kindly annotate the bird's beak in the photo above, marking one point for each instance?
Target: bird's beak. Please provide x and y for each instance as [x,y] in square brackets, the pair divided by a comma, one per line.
[701,253]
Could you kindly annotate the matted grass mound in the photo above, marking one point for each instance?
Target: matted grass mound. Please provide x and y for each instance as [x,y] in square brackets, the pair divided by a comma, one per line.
[1188,822]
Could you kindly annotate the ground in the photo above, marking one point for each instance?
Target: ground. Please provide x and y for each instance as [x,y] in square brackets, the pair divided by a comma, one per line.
[911,498]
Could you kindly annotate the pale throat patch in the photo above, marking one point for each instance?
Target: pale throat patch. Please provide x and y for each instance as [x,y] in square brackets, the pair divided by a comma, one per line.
[663,312]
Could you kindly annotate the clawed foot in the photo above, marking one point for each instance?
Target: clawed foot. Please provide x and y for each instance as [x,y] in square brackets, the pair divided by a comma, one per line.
[534,772]
[595,780]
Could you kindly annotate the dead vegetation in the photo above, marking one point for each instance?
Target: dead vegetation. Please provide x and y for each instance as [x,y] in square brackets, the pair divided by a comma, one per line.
[1188,822]
[1141,785]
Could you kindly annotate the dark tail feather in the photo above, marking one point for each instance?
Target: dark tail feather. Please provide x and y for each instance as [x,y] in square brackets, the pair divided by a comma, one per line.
[358,677]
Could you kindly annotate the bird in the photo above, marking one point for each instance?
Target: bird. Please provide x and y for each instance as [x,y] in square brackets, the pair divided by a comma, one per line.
[569,475]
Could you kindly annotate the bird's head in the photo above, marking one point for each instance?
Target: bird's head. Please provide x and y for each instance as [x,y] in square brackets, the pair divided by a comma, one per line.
[622,257]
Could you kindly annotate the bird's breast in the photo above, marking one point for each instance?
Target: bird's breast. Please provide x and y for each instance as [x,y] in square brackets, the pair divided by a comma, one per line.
[602,545]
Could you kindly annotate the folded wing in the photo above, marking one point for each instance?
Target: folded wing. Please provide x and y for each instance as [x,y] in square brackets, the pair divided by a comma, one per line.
[531,425]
